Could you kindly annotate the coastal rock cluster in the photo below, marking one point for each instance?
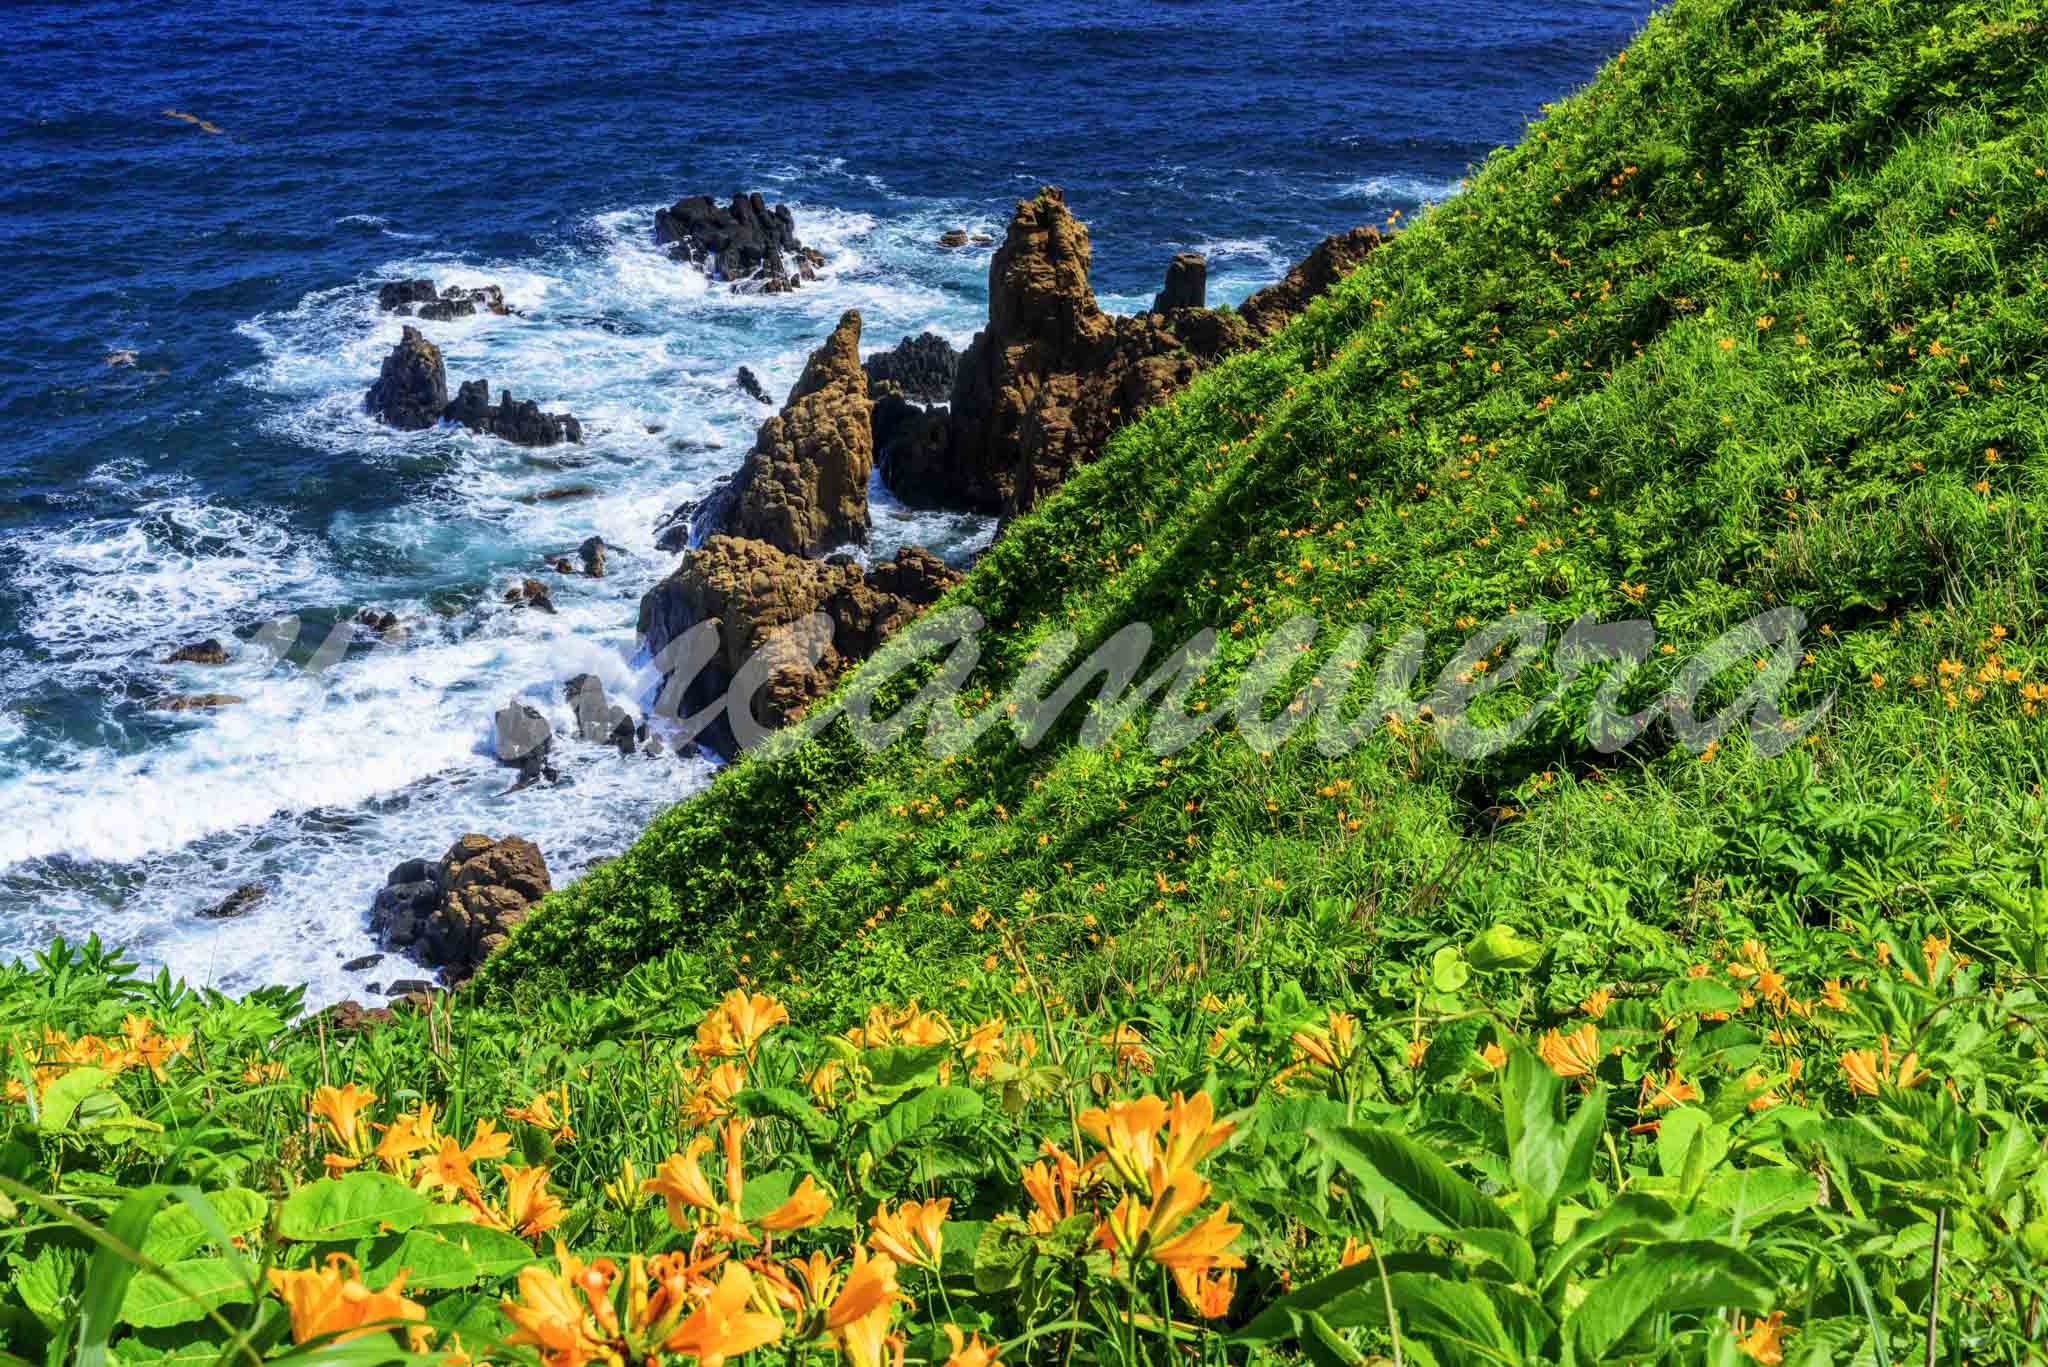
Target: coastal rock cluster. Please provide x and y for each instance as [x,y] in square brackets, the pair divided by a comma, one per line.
[411,394]
[449,914]
[1037,393]
[418,298]
[747,243]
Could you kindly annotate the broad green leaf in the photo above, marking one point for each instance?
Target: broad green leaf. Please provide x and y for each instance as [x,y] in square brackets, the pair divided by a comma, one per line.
[933,1109]
[1448,970]
[1453,1314]
[905,1065]
[350,1207]
[1323,1345]
[1631,1215]
[64,1096]
[431,1260]
[497,1254]
[1672,1278]
[1502,947]
[1000,1256]
[1690,1145]
[1339,1297]
[1549,1159]
[179,1232]
[48,1282]
[203,1284]
[784,1103]
[1420,1189]
[1751,1196]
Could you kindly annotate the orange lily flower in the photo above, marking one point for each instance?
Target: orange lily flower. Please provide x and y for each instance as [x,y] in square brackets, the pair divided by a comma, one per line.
[806,1206]
[913,1233]
[1573,1055]
[332,1300]
[722,1326]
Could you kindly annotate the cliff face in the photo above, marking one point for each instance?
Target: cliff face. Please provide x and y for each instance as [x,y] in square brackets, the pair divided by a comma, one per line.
[1044,385]
[804,488]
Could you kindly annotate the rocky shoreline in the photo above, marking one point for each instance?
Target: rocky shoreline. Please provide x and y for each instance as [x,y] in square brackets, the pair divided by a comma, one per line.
[991,430]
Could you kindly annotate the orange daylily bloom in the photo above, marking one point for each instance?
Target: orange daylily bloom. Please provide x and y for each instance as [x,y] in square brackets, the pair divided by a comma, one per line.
[722,1326]
[1208,1294]
[1764,1340]
[550,1315]
[529,1209]
[1202,1247]
[969,1352]
[549,1110]
[749,1018]
[1670,1092]
[913,1233]
[487,1143]
[1597,1002]
[870,1286]
[1832,995]
[448,1166]
[1050,1185]
[341,1109]
[1128,1132]
[806,1206]
[1192,1130]
[332,1300]
[1494,1057]
[410,1134]
[680,1181]
[1354,1251]
[1573,1055]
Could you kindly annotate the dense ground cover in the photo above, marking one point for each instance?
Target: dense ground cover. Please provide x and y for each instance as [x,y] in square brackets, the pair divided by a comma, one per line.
[1566,1052]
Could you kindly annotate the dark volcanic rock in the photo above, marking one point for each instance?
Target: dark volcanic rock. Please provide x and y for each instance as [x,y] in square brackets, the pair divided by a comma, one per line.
[953,237]
[412,389]
[749,244]
[592,553]
[207,652]
[453,913]
[522,738]
[804,487]
[1187,283]
[921,367]
[377,621]
[751,385]
[399,296]
[698,518]
[363,964]
[912,448]
[237,903]
[530,593]
[521,423]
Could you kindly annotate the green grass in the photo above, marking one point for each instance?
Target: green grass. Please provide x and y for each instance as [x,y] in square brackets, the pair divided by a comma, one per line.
[1737,327]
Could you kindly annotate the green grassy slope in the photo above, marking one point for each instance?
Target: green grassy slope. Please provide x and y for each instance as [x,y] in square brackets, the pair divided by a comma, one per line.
[1757,319]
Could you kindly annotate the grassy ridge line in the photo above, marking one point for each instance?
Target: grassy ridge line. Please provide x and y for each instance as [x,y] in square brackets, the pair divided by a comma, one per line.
[1691,350]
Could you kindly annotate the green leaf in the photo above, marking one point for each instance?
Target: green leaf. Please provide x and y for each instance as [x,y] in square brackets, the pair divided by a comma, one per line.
[496,1253]
[430,1261]
[917,1114]
[67,1093]
[784,1103]
[1630,1215]
[1502,947]
[905,1065]
[1000,1256]
[1672,1278]
[112,1268]
[180,1231]
[1689,1145]
[1323,1345]
[350,1207]
[203,1284]
[1549,1160]
[1448,970]
[47,1282]
[1420,1189]
[1338,1297]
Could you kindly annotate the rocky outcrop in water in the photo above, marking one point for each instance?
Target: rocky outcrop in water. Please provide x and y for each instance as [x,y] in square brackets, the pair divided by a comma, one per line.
[752,591]
[240,902]
[598,719]
[920,368]
[453,914]
[520,422]
[411,394]
[751,386]
[1187,284]
[195,702]
[804,487]
[412,389]
[522,739]
[407,297]
[748,243]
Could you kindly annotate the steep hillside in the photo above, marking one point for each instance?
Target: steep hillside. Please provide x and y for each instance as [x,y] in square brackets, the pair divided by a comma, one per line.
[1754,322]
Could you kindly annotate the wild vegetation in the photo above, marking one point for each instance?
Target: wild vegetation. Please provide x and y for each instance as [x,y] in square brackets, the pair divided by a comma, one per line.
[1060,1052]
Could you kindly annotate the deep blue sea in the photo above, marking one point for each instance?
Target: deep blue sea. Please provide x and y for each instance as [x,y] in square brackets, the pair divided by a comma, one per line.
[225,476]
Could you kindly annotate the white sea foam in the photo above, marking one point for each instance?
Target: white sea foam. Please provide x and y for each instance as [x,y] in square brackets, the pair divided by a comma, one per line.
[317,784]
[1399,191]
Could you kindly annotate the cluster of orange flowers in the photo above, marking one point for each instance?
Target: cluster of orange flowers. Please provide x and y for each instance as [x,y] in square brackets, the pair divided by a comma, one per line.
[414,1151]
[1151,1151]
[139,1045]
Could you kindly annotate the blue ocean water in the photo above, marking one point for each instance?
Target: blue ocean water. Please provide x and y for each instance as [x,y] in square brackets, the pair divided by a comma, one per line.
[225,477]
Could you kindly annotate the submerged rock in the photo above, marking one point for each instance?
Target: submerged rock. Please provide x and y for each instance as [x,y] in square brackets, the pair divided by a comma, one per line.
[530,593]
[592,553]
[751,245]
[207,652]
[195,702]
[399,296]
[412,389]
[237,903]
